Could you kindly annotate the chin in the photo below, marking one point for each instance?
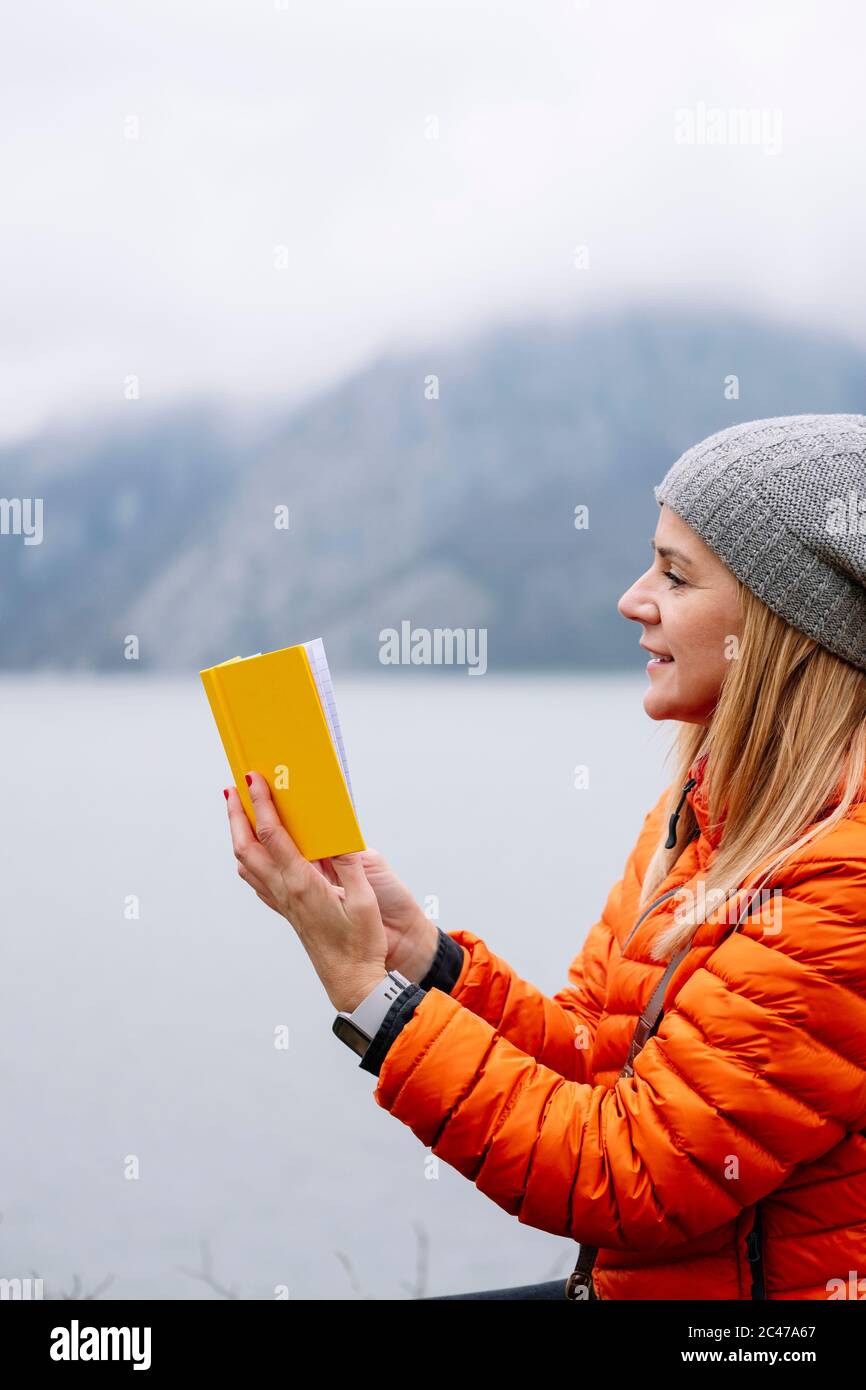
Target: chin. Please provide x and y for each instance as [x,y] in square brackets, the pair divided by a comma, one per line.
[659,709]
[661,706]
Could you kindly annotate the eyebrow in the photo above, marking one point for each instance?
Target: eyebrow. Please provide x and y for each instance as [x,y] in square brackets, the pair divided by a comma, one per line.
[668,552]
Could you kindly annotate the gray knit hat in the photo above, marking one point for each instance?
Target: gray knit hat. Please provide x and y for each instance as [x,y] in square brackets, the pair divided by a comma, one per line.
[783,503]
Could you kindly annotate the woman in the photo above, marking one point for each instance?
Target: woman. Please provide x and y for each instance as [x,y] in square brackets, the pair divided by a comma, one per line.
[725,1157]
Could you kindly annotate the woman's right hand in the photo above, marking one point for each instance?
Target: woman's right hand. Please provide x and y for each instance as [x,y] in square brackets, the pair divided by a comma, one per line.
[411,936]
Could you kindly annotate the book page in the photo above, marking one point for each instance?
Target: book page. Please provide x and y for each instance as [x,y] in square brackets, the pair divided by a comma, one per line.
[322,676]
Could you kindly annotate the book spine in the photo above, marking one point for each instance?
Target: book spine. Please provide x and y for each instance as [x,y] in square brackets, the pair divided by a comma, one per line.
[229,736]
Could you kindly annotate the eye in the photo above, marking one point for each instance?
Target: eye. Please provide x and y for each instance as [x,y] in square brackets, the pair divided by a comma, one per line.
[674,578]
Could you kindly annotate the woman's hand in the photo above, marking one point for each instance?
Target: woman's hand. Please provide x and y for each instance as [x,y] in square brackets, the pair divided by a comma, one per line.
[412,937]
[340,927]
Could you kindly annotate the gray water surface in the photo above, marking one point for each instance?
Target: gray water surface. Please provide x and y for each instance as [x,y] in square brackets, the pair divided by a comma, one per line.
[151,1041]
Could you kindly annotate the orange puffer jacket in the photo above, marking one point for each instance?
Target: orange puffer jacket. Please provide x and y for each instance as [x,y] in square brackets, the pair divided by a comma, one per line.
[753,1089]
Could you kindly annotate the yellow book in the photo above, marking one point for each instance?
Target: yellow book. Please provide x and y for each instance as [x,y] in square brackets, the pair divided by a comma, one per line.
[276,714]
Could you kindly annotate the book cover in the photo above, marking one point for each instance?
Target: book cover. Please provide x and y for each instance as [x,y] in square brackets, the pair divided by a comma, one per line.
[276,714]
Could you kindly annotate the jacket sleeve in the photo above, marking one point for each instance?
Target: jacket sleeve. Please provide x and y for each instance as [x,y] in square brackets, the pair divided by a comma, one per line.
[446,966]
[558,1031]
[759,1065]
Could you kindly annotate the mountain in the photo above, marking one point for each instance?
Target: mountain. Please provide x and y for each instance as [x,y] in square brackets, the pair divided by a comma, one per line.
[449,512]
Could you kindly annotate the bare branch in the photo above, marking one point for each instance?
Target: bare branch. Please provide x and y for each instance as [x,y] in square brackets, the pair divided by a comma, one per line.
[349,1268]
[206,1274]
[418,1288]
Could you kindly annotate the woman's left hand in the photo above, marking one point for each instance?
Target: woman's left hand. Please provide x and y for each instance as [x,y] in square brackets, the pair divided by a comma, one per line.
[340,928]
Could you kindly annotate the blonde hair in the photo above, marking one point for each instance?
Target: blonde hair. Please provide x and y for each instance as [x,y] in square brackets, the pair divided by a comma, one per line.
[788,731]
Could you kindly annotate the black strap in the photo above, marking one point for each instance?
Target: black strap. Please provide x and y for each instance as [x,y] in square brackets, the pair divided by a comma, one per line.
[755,1253]
[579,1285]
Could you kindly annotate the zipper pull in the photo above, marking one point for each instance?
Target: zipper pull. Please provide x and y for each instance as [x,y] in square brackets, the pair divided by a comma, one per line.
[672,823]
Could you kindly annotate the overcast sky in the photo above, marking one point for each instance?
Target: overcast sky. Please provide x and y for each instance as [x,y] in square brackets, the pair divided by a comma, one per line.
[306,126]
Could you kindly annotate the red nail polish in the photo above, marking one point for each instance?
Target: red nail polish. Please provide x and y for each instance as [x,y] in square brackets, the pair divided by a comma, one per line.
[226,793]
[249,779]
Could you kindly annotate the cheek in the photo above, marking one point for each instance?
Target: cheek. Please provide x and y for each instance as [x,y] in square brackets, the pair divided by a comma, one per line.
[702,646]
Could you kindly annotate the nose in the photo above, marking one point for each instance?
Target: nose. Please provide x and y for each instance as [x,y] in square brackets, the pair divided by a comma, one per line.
[636,603]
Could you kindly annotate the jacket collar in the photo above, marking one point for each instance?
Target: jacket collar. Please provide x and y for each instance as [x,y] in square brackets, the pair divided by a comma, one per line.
[698,799]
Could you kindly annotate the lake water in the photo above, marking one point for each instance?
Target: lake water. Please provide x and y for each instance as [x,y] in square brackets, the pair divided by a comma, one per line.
[153,1039]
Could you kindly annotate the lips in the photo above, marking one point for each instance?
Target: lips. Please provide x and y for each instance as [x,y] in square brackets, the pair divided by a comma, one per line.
[657,658]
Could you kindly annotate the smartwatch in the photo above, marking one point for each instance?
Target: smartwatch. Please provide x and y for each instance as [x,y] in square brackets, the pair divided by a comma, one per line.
[358,1029]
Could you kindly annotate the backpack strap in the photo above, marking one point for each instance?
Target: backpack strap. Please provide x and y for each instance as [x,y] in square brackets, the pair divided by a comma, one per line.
[647,1025]
[579,1285]
[651,1016]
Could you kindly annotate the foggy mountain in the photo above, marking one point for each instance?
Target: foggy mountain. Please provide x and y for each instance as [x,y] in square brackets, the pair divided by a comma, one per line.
[456,511]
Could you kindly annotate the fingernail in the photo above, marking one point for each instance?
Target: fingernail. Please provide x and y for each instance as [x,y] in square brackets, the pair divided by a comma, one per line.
[249,779]
[226,793]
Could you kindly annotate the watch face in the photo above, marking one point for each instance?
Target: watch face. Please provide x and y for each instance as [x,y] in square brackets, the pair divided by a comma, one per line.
[349,1033]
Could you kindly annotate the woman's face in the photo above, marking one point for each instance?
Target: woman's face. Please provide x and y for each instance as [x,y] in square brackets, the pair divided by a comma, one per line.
[686,603]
